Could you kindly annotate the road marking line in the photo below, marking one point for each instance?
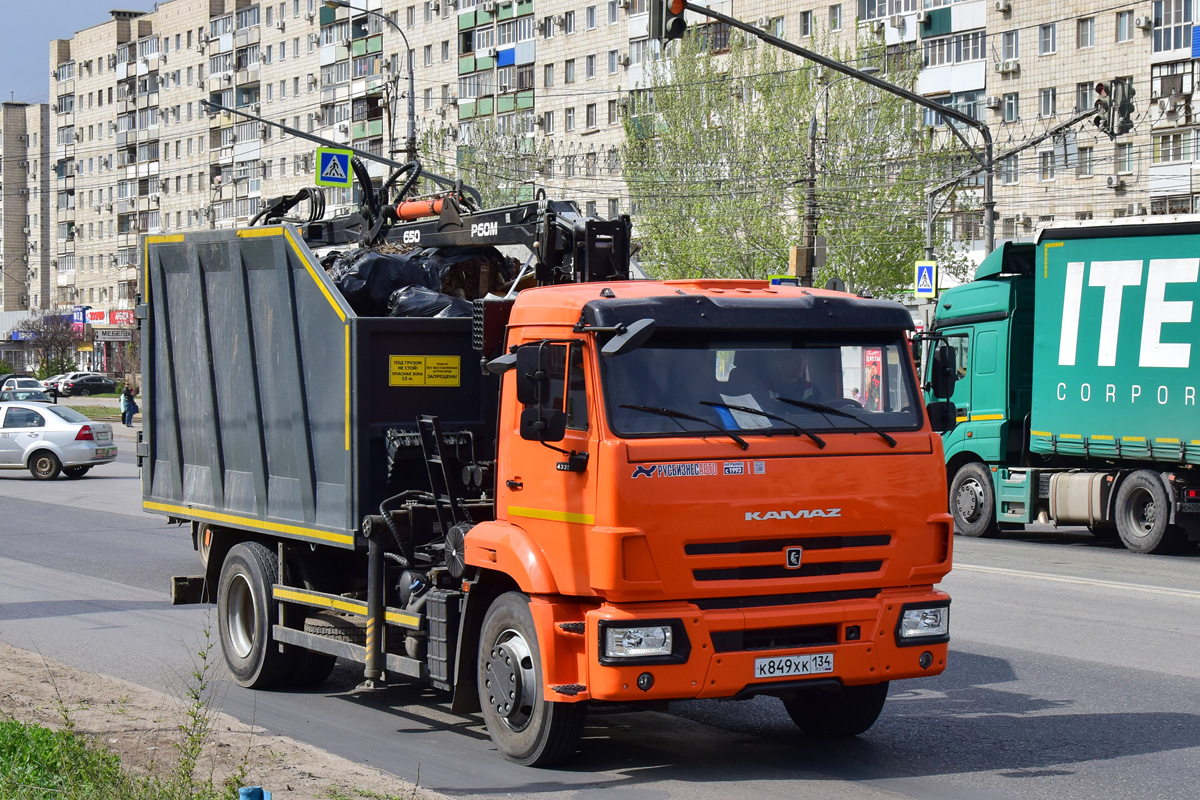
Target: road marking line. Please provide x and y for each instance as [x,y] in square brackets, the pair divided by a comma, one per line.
[1045,576]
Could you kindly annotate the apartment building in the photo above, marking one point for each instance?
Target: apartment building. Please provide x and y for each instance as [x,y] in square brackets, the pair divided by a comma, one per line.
[25,251]
[136,152]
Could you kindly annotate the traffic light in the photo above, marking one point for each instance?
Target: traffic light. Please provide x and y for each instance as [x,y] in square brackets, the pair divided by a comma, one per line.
[666,19]
[1114,106]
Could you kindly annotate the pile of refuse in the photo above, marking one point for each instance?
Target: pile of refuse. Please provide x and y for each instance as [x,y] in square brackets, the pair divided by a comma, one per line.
[431,282]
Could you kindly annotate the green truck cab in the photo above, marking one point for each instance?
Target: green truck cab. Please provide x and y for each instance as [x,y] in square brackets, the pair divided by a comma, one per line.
[1075,398]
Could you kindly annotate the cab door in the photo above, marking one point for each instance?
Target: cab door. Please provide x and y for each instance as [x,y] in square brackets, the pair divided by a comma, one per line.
[961,343]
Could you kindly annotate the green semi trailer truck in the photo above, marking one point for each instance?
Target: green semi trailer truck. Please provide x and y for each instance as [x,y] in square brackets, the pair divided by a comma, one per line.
[1076,397]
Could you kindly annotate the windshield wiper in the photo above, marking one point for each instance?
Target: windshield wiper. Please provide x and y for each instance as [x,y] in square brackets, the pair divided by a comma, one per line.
[673,414]
[824,409]
[759,413]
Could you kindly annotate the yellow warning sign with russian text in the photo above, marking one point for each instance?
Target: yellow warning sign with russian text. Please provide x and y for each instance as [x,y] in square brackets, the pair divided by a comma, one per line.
[425,371]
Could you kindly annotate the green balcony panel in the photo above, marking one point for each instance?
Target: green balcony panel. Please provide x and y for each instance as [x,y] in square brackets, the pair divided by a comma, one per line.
[466,21]
[524,7]
[358,47]
[484,63]
[466,64]
[360,130]
[937,24]
[328,15]
[375,127]
[504,104]
[525,99]
[506,12]
[483,17]
[485,106]
[375,43]
[466,110]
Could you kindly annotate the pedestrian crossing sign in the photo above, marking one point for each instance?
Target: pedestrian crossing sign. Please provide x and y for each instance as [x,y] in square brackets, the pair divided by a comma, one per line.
[333,167]
[925,279]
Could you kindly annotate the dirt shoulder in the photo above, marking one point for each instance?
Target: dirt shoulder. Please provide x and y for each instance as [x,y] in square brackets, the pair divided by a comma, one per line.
[142,726]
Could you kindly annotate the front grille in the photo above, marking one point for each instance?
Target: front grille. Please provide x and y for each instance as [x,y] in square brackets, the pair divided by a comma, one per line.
[795,599]
[775,545]
[776,571]
[775,638]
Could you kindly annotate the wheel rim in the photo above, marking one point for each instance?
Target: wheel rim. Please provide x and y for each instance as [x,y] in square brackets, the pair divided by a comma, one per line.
[968,501]
[43,465]
[510,680]
[1143,514]
[243,621]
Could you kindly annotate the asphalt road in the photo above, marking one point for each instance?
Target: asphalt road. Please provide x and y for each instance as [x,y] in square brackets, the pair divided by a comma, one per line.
[1074,673]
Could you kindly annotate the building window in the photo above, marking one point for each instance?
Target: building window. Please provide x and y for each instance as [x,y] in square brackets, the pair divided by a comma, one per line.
[1083,96]
[1171,79]
[805,23]
[1172,23]
[954,49]
[569,22]
[548,77]
[612,12]
[1046,165]
[1047,39]
[1008,171]
[1085,32]
[1012,107]
[612,112]
[613,63]
[1124,26]
[569,71]
[590,116]
[428,55]
[1171,147]
[835,18]
[548,127]
[589,17]
[410,16]
[1010,45]
[589,67]
[1047,100]
[569,119]
[778,28]
[547,26]
[446,50]
[1085,167]
[1123,158]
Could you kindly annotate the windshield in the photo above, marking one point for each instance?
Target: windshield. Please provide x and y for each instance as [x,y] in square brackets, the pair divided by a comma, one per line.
[799,385]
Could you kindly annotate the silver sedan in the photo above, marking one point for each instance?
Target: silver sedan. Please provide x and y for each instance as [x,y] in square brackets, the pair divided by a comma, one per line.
[48,440]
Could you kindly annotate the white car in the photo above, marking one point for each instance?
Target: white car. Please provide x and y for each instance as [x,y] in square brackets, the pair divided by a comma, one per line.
[48,440]
[21,383]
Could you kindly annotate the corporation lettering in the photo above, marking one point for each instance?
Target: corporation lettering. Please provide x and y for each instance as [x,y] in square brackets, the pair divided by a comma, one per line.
[692,470]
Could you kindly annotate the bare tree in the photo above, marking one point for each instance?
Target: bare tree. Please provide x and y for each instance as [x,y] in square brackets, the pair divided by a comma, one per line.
[54,339]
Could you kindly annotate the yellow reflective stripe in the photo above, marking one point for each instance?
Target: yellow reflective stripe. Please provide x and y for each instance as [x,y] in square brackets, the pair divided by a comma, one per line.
[1133,438]
[347,398]
[1168,441]
[1069,436]
[1103,436]
[348,606]
[978,417]
[232,519]
[255,233]
[400,618]
[1041,433]
[308,266]
[553,516]
[961,419]
[167,239]
[1046,257]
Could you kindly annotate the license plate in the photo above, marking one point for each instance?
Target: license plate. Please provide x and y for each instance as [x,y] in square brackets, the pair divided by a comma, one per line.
[105,452]
[789,666]
[103,437]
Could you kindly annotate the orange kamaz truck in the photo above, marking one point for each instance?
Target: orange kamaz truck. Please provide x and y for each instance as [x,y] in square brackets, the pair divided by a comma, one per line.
[594,490]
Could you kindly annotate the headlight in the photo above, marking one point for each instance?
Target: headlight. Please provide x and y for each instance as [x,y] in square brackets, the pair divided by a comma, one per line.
[638,642]
[923,624]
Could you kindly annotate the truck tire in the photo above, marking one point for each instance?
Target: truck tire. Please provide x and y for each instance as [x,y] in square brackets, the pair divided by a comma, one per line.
[527,728]
[973,502]
[837,715]
[1142,515]
[245,614]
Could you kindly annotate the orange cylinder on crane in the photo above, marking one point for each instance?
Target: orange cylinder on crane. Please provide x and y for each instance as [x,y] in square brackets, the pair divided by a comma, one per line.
[415,209]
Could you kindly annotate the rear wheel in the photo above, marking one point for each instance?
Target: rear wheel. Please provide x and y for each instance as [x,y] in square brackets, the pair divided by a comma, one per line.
[44,465]
[973,501]
[831,714]
[244,616]
[75,472]
[1142,515]
[527,728]
[85,392]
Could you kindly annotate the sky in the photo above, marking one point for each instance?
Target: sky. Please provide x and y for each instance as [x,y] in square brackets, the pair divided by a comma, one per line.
[25,56]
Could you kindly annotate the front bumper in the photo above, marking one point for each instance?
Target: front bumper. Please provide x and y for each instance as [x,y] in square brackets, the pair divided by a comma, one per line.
[722,647]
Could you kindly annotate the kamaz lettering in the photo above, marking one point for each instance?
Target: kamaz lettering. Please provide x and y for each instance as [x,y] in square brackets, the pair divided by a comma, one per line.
[804,513]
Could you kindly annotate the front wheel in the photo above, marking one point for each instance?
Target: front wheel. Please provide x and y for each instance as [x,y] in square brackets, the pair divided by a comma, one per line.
[244,616]
[44,465]
[527,728]
[973,502]
[828,714]
[85,392]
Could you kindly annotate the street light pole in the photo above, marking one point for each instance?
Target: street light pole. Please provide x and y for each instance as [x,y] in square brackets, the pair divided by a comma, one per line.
[410,143]
[810,195]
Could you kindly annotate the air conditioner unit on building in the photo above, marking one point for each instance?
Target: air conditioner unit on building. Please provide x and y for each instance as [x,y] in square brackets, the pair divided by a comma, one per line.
[622,3]
[96,208]
[623,59]
[504,87]
[1115,182]
[24,163]
[922,17]
[314,39]
[22,192]
[1009,65]
[897,22]
[108,206]
[489,6]
[310,15]
[762,22]
[112,60]
[1003,6]
[1143,23]
[280,25]
[255,108]
[441,112]
[1165,105]
[435,7]
[25,230]
[200,83]
[878,27]
[228,78]
[263,131]
[312,79]
[560,20]
[993,101]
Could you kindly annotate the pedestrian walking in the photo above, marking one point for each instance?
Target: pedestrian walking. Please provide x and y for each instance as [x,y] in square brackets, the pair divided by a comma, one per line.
[128,407]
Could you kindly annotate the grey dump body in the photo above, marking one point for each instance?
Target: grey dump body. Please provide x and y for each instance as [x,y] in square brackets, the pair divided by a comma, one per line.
[268,400]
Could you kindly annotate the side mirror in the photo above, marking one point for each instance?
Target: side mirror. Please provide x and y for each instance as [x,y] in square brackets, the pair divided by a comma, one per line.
[942,416]
[635,335]
[943,376]
[541,424]
[533,374]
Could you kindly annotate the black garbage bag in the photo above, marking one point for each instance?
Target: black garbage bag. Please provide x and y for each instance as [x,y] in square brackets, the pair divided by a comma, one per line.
[418,301]
[368,279]
[469,272]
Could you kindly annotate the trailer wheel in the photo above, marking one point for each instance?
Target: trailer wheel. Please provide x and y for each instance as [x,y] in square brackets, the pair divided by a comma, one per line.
[527,728]
[1142,515]
[973,501]
[244,616]
[837,715]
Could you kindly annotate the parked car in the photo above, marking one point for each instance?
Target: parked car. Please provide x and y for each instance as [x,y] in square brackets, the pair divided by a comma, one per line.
[56,386]
[24,396]
[48,440]
[16,382]
[50,385]
[87,385]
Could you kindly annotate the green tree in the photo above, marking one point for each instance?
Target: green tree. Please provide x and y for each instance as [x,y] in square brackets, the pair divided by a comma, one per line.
[717,160]
[501,163]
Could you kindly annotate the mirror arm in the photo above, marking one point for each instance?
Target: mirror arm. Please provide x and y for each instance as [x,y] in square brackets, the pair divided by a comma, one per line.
[574,461]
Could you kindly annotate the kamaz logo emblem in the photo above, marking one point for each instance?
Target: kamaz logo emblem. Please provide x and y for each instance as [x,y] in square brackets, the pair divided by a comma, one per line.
[482,229]
[804,513]
[792,556]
